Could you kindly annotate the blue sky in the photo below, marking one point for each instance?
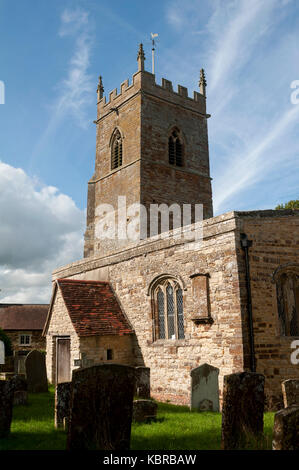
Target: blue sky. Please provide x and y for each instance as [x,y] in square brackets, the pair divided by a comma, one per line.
[51,56]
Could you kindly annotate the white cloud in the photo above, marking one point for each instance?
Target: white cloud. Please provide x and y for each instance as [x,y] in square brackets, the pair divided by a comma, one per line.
[233,46]
[73,21]
[76,91]
[253,165]
[186,19]
[40,230]
[175,18]
[250,52]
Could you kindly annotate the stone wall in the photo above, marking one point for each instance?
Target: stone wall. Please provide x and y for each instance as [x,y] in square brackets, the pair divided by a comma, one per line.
[275,237]
[95,349]
[218,343]
[162,110]
[89,349]
[224,343]
[37,340]
[60,325]
[145,113]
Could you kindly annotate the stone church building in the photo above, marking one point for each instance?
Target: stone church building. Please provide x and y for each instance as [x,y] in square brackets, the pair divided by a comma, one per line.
[173,303]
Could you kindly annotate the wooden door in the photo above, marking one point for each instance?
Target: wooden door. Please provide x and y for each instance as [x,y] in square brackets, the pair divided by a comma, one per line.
[63,369]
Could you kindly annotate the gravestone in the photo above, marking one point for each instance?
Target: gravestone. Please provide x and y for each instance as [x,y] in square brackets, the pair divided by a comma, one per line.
[144,410]
[142,388]
[242,410]
[20,397]
[19,382]
[286,429]
[62,404]
[2,353]
[19,385]
[204,388]
[6,403]
[19,361]
[101,408]
[206,405]
[290,392]
[36,373]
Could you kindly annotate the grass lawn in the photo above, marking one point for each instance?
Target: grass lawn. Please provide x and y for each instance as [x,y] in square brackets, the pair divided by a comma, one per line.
[32,426]
[176,428]
[179,429]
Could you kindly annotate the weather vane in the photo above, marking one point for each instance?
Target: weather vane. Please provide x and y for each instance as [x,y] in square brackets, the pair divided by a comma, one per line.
[153,36]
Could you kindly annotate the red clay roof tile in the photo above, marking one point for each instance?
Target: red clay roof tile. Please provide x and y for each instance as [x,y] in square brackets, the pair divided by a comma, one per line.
[93,308]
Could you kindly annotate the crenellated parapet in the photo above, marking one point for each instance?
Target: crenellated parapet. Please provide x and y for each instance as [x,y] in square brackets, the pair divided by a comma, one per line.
[126,90]
[144,82]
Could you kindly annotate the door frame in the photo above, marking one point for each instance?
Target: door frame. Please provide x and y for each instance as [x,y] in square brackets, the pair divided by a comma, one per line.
[56,347]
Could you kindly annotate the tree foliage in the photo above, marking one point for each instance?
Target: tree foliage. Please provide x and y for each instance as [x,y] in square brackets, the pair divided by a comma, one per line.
[294,204]
[7,343]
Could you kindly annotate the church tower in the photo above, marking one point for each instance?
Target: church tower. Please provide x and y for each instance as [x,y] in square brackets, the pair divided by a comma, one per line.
[151,148]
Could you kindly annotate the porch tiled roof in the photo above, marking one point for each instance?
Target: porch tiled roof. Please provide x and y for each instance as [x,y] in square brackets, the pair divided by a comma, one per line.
[93,308]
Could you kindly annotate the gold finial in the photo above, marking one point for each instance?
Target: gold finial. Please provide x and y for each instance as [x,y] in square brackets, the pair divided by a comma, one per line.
[202,82]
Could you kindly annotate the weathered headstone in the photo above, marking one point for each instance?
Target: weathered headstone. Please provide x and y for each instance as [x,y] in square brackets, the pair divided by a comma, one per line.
[62,404]
[101,408]
[286,429]
[2,353]
[143,387]
[19,361]
[242,410]
[20,397]
[19,382]
[144,410]
[36,373]
[290,392]
[205,388]
[6,403]
[19,385]
[206,405]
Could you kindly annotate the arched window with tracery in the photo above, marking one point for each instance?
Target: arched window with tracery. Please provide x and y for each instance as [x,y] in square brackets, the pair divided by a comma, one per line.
[175,148]
[116,150]
[168,310]
[287,287]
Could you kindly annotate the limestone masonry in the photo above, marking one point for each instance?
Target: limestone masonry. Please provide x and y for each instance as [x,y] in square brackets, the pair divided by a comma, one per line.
[186,302]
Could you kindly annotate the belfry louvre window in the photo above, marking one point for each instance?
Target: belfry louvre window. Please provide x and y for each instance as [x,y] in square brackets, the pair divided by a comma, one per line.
[175,149]
[169,316]
[116,151]
[287,284]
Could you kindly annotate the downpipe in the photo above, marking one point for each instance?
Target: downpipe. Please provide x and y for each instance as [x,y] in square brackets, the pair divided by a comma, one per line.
[246,244]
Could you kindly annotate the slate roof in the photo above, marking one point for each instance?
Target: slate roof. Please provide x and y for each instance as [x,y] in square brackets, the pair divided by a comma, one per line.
[93,308]
[23,316]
